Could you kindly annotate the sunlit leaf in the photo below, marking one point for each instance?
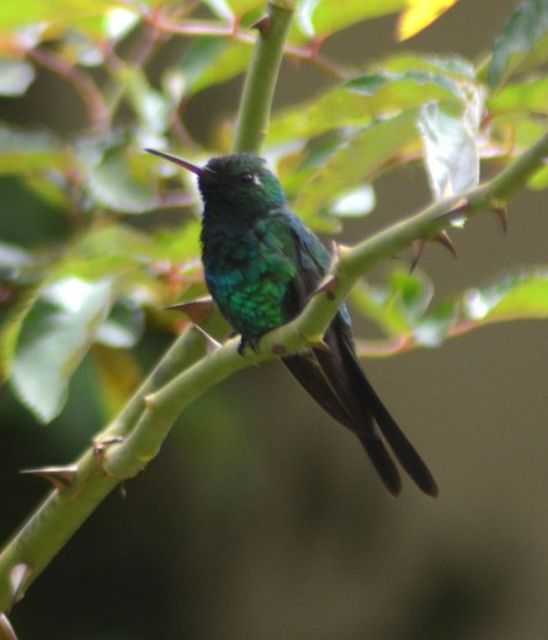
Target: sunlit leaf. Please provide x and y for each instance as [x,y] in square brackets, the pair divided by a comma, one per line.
[367,152]
[419,14]
[540,179]
[522,295]
[361,99]
[112,185]
[124,325]
[118,22]
[522,42]
[15,77]
[324,17]
[451,146]
[55,335]
[22,12]
[530,96]
[221,8]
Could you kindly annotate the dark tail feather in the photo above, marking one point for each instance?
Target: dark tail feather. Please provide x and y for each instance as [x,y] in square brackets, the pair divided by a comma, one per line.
[400,445]
[308,372]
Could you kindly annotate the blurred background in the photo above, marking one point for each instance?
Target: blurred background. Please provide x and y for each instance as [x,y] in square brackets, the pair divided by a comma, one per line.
[261,518]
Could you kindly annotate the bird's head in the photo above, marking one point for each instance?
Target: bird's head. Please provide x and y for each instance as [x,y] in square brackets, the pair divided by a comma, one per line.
[240,183]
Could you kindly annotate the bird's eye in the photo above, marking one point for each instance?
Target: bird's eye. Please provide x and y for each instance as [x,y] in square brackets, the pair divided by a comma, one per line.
[247,178]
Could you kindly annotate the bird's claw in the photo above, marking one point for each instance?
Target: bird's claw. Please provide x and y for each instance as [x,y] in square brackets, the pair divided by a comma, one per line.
[252,343]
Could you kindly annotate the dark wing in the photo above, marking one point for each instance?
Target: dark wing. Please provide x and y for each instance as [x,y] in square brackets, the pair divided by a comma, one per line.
[335,379]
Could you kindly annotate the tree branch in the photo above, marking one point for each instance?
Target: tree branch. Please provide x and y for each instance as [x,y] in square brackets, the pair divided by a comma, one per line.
[260,82]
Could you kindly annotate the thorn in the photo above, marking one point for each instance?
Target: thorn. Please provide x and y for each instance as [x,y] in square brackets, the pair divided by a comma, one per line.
[211,343]
[501,212]
[418,247]
[262,25]
[444,239]
[341,249]
[6,630]
[320,345]
[100,445]
[327,285]
[196,310]
[59,477]
[122,491]
[19,577]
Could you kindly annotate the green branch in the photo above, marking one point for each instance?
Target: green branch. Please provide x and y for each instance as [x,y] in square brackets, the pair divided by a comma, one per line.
[261,77]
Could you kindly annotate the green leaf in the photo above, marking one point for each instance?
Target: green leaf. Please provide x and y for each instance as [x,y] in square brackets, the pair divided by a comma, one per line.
[323,17]
[432,329]
[13,14]
[23,151]
[540,180]
[399,305]
[362,98]
[365,153]
[124,326]
[451,146]
[518,296]
[16,264]
[55,335]
[111,184]
[16,77]
[208,61]
[522,42]
[530,96]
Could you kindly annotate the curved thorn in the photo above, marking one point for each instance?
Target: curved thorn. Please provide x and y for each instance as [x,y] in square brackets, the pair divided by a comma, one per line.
[418,247]
[445,240]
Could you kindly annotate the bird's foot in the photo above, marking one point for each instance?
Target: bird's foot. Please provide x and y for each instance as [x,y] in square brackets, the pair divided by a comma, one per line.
[246,341]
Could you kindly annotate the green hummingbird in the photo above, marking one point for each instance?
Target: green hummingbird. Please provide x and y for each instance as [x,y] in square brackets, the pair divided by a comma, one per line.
[261,266]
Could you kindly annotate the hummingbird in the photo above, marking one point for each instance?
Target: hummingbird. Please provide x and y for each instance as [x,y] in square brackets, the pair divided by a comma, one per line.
[262,264]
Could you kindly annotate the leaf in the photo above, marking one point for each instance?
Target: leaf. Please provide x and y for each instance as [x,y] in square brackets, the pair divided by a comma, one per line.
[355,203]
[361,99]
[111,184]
[522,42]
[517,296]
[451,146]
[123,327]
[23,151]
[530,96]
[539,180]
[118,374]
[419,14]
[55,335]
[365,153]
[397,306]
[16,77]
[208,61]
[320,18]
[13,14]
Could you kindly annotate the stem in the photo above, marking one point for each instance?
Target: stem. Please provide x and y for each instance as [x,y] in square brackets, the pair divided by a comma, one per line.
[261,79]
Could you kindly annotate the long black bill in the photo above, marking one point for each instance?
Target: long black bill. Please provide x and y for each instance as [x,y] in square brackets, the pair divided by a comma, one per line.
[199,171]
